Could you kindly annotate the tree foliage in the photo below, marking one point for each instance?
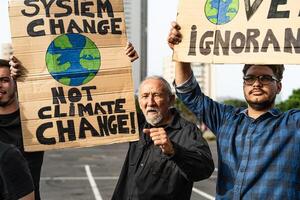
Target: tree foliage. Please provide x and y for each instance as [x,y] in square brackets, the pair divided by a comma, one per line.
[185,112]
[235,102]
[292,102]
[137,105]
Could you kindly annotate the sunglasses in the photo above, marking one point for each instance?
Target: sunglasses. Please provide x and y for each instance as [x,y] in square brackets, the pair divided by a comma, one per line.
[263,79]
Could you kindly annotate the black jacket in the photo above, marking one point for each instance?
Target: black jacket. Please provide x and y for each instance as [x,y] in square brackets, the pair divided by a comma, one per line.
[148,174]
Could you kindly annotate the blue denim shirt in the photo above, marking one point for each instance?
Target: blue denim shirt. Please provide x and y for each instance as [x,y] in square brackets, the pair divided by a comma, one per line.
[258,158]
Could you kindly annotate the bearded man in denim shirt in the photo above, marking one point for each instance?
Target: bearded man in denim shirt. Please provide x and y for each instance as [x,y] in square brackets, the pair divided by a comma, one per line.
[258,146]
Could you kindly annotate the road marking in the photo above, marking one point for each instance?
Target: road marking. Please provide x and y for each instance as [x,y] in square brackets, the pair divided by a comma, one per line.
[207,196]
[92,182]
[47,178]
[70,178]
[203,194]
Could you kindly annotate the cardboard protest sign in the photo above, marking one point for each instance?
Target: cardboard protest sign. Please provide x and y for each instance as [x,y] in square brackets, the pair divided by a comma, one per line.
[78,91]
[239,31]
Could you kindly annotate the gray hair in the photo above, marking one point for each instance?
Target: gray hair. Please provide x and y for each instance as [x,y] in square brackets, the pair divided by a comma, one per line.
[165,83]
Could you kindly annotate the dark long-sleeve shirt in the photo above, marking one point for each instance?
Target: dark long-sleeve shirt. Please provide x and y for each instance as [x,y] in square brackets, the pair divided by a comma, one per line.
[11,133]
[149,174]
[15,177]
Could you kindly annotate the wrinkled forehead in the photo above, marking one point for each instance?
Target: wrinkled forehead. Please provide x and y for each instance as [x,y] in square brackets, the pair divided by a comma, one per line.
[152,86]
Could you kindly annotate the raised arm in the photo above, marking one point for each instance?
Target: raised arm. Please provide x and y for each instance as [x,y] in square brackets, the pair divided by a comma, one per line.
[183,70]
[188,90]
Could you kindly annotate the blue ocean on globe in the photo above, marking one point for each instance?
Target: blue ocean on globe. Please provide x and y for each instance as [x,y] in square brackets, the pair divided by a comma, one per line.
[73,59]
[221,11]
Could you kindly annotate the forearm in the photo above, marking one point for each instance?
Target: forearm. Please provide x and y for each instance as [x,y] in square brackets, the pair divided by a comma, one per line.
[207,110]
[183,72]
[190,94]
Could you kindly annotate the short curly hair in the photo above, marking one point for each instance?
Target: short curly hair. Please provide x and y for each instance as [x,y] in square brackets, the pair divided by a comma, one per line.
[277,69]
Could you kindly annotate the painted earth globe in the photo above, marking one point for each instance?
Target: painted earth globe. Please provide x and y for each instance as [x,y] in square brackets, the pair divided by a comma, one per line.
[221,11]
[73,59]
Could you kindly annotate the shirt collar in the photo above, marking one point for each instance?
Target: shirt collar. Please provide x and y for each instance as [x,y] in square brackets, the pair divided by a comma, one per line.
[274,111]
[174,123]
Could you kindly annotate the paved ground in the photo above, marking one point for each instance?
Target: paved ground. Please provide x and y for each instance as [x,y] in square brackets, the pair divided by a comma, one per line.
[91,174]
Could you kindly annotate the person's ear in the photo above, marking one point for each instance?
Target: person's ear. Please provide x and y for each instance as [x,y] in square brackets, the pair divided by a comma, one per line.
[279,87]
[172,100]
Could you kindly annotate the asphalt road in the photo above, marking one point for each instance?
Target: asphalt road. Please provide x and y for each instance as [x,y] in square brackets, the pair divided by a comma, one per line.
[92,173]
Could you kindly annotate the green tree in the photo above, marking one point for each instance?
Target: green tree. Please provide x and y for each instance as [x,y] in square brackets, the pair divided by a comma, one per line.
[292,102]
[235,102]
[185,112]
[137,105]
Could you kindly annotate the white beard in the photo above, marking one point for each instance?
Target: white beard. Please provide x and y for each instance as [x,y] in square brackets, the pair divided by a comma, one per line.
[154,120]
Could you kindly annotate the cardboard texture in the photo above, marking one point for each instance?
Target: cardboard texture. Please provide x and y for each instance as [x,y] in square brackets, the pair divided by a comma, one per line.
[78,88]
[239,31]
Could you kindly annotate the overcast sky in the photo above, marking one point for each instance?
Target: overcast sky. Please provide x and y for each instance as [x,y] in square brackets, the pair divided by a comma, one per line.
[160,14]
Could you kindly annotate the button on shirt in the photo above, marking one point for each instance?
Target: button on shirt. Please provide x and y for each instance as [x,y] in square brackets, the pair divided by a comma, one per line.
[258,158]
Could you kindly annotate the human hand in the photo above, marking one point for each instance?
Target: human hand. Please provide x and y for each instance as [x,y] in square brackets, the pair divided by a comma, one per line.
[174,36]
[16,67]
[161,139]
[131,52]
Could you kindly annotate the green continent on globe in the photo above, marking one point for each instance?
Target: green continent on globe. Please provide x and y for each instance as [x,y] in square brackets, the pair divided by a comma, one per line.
[63,42]
[211,12]
[233,9]
[221,11]
[88,78]
[65,80]
[53,64]
[89,56]
[73,59]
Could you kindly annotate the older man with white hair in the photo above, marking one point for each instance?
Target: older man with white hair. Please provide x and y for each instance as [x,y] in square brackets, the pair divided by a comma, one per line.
[170,155]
